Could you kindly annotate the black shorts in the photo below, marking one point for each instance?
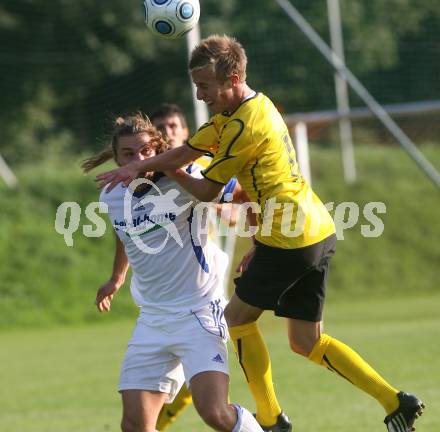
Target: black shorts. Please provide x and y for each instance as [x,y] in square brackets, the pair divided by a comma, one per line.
[291,282]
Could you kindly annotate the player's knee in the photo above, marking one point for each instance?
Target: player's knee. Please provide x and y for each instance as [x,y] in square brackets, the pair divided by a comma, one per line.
[230,317]
[213,416]
[128,425]
[238,312]
[300,347]
[236,317]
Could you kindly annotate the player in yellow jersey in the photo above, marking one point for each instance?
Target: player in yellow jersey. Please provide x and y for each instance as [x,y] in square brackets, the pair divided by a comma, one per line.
[286,269]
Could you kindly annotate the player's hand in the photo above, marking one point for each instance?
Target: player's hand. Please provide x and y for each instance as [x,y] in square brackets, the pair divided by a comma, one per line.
[245,261]
[125,174]
[228,213]
[105,294]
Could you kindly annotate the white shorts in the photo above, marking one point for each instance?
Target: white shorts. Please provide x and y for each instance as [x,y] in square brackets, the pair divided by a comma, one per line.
[164,351]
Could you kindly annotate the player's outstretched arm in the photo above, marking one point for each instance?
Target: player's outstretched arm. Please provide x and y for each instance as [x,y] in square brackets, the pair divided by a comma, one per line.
[170,160]
[201,188]
[105,293]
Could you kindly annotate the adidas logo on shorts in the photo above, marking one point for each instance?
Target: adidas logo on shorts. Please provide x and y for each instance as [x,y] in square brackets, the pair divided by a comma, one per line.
[218,359]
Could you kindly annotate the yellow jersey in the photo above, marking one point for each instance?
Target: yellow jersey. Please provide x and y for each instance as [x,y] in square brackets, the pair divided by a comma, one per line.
[253,144]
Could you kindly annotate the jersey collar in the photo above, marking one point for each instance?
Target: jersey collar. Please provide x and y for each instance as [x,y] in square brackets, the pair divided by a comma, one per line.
[156,177]
[250,96]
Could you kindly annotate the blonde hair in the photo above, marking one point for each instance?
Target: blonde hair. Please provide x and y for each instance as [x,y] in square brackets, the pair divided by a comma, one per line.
[224,53]
[127,126]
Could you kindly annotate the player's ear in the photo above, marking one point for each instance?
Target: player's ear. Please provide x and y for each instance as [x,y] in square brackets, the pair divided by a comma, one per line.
[116,158]
[235,79]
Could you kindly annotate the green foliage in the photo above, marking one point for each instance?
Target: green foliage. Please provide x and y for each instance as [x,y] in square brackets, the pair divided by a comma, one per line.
[43,280]
[74,64]
[403,259]
[68,67]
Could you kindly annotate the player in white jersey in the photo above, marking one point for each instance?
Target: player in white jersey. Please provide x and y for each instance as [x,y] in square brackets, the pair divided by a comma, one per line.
[180,332]
[158,234]
[171,122]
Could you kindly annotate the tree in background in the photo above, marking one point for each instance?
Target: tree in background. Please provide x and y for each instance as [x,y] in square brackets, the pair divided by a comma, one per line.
[66,65]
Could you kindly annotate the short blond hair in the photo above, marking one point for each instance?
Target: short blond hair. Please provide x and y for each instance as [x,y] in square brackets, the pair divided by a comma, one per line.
[224,53]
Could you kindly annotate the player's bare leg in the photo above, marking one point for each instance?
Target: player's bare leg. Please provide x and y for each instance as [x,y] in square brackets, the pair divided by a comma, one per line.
[303,335]
[140,410]
[237,312]
[213,406]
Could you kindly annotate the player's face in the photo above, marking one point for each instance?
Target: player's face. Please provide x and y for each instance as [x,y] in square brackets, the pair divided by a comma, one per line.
[218,95]
[173,129]
[133,148]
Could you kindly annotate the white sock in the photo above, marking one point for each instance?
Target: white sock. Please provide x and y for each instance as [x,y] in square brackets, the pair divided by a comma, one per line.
[245,421]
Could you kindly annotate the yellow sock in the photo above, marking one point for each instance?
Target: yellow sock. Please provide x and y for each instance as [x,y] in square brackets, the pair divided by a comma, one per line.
[170,411]
[254,359]
[340,358]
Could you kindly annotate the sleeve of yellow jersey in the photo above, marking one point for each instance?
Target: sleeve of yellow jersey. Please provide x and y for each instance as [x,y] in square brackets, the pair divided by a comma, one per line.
[235,150]
[205,139]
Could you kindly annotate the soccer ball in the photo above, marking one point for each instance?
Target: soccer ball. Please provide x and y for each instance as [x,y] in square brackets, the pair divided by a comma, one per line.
[171,19]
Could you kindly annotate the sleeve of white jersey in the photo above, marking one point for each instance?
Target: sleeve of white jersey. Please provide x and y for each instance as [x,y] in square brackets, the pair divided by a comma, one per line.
[103,196]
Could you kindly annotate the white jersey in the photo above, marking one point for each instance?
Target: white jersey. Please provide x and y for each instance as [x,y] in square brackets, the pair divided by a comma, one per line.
[175,278]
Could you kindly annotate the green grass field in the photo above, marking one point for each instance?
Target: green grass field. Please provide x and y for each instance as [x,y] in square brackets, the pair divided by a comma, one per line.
[64,379]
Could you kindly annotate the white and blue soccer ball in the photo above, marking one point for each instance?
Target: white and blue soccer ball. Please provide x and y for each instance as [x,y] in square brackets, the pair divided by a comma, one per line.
[171,19]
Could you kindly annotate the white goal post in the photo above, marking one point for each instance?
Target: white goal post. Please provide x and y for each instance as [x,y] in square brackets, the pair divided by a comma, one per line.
[7,174]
